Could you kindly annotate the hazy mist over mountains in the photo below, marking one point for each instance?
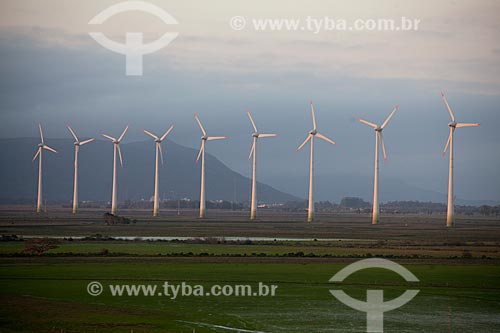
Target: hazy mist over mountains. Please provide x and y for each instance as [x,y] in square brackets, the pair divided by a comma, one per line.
[179,176]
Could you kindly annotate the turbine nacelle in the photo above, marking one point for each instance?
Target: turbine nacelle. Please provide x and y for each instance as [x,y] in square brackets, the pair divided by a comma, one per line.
[453,124]
[78,142]
[41,146]
[314,132]
[205,138]
[378,129]
[158,140]
[255,135]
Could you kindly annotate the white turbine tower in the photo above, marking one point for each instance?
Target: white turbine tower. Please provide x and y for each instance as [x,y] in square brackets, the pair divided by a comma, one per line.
[253,151]
[116,148]
[450,215]
[310,137]
[78,143]
[159,152]
[201,153]
[378,138]
[41,147]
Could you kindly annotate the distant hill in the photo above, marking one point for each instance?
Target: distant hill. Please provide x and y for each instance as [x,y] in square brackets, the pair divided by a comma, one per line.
[179,176]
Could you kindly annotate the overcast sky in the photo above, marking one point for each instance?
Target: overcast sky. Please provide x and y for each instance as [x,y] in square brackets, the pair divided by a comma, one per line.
[52,71]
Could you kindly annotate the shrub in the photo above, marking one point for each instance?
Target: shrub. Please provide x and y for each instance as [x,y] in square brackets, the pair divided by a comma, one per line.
[40,245]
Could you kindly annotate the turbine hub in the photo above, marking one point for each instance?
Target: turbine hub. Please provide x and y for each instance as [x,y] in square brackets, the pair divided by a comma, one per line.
[158,140]
[205,137]
[40,145]
[77,143]
[453,124]
[378,129]
[313,132]
[255,135]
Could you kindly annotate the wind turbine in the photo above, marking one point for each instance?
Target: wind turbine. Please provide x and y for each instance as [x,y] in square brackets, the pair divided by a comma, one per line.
[78,143]
[116,148]
[201,153]
[310,138]
[256,135]
[159,151]
[41,147]
[378,138]
[450,214]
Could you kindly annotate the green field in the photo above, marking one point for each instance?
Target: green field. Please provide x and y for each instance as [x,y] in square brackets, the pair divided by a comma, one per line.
[458,269]
[38,295]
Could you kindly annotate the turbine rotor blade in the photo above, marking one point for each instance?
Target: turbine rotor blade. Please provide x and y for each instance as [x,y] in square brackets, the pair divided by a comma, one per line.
[199,124]
[161,152]
[313,116]
[119,154]
[199,153]
[390,116]
[108,137]
[86,141]
[151,134]
[36,154]
[49,148]
[251,119]
[210,138]
[41,132]
[267,135]
[367,122]
[447,142]
[303,143]
[123,134]
[252,151]
[383,145]
[321,136]
[467,125]
[73,133]
[166,133]
[448,107]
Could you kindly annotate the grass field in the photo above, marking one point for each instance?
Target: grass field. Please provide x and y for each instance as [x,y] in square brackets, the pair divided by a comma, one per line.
[43,294]
[458,269]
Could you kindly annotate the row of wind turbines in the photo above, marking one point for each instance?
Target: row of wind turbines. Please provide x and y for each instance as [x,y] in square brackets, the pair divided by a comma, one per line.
[379,142]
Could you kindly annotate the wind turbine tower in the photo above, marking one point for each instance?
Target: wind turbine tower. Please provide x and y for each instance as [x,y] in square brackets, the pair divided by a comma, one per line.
[116,149]
[78,143]
[201,154]
[159,152]
[39,154]
[379,140]
[310,138]
[450,214]
[253,151]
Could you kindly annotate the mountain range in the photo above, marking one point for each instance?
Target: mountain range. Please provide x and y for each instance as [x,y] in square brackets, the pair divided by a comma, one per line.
[179,175]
